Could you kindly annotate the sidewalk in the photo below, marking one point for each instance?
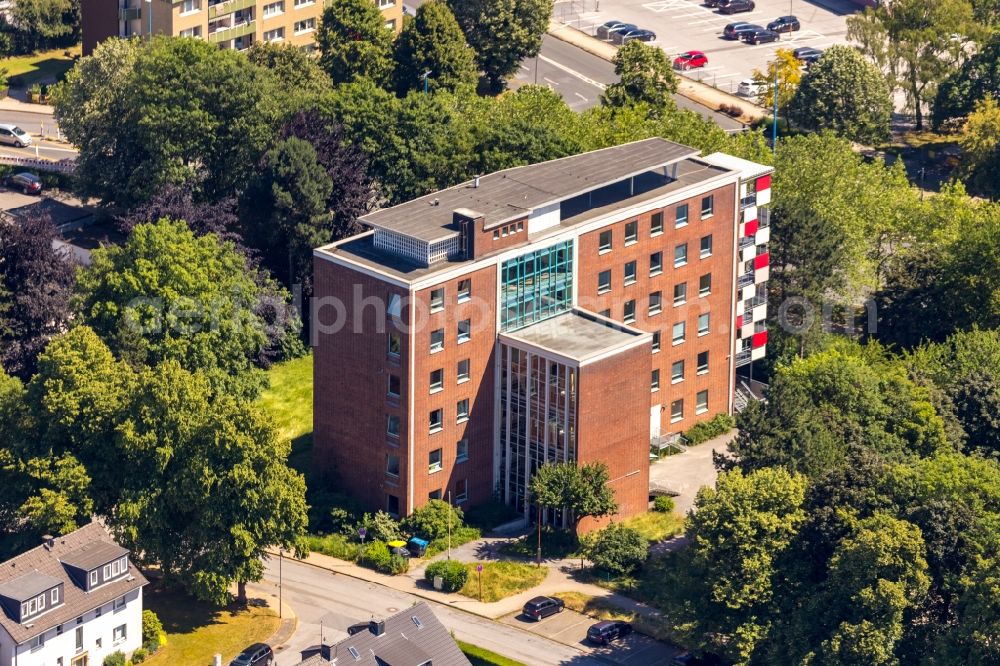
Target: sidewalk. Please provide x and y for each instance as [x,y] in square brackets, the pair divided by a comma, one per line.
[11,104]
[289,621]
[693,90]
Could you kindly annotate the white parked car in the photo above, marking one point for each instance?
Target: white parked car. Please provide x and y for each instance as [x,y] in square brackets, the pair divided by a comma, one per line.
[14,136]
[750,88]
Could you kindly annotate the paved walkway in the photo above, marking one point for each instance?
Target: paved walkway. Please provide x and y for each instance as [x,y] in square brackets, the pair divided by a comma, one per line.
[289,620]
[13,104]
[685,473]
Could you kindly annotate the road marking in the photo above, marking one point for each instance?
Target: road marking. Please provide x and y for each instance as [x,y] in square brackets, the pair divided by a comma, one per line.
[581,96]
[550,81]
[527,69]
[573,72]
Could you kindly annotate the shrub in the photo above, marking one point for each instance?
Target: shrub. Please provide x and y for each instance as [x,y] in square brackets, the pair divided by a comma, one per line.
[152,631]
[618,549]
[115,659]
[376,556]
[139,655]
[733,110]
[719,424]
[381,527]
[334,545]
[453,574]
[431,520]
[663,504]
[398,564]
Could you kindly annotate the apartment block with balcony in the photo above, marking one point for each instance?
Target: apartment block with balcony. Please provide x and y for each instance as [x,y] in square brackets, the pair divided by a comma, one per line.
[568,311]
[232,24]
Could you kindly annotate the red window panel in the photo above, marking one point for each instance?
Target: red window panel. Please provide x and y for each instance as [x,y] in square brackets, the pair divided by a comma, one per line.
[761,260]
[764,182]
[759,339]
[751,227]
[739,322]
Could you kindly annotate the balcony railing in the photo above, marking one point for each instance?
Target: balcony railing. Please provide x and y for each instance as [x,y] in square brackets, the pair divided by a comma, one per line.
[748,200]
[745,280]
[228,7]
[231,33]
[746,242]
[743,357]
[129,14]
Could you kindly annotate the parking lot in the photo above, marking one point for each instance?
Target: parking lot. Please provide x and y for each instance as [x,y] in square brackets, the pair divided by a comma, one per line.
[684,25]
[570,628]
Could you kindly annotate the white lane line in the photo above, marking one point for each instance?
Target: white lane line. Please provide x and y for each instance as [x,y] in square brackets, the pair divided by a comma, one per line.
[582,98]
[573,72]
[550,81]
[527,69]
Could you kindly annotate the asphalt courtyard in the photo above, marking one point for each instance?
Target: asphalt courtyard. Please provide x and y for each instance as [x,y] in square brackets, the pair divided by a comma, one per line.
[685,25]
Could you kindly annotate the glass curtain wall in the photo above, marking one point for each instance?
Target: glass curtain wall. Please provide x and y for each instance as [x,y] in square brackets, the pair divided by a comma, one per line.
[536,286]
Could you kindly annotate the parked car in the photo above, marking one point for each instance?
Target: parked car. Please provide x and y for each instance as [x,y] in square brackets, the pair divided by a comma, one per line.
[736,6]
[417,546]
[399,547]
[541,607]
[784,24]
[641,34]
[750,88]
[691,659]
[258,654]
[603,29]
[12,135]
[737,30]
[690,60]
[807,54]
[617,33]
[761,37]
[604,632]
[712,3]
[28,183]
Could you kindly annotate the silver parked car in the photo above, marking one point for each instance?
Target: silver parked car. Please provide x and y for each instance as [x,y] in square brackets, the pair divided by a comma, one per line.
[12,135]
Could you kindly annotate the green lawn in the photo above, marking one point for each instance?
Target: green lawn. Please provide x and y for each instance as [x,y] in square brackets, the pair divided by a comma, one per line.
[289,401]
[502,579]
[483,657]
[196,631]
[46,65]
[656,526]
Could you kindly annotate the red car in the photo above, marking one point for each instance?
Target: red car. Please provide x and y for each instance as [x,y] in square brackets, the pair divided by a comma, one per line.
[690,60]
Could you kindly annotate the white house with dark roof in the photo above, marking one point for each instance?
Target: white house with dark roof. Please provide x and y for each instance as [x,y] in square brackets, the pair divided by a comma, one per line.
[70,602]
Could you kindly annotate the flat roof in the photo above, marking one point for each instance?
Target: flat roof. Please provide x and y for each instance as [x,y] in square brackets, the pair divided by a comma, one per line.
[577,334]
[28,586]
[746,168]
[512,193]
[93,555]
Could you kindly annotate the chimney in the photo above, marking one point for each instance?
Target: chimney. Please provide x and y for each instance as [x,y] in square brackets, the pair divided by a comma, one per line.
[475,181]
[48,541]
[467,222]
[377,627]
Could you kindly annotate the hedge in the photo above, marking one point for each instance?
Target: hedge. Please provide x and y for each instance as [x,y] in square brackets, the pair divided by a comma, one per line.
[719,424]
[453,574]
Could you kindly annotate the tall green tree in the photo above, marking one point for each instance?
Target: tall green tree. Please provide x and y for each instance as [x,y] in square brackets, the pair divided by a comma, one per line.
[845,93]
[354,42]
[978,77]
[644,75]
[300,74]
[46,22]
[981,148]
[433,46]
[502,33]
[581,489]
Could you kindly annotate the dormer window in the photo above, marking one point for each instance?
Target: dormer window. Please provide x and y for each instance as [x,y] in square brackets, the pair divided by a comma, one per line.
[93,579]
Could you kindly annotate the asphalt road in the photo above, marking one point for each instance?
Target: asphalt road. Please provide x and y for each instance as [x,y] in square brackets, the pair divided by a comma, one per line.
[580,77]
[334,602]
[37,125]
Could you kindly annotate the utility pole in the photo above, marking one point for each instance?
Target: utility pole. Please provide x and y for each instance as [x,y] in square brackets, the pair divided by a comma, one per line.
[149,6]
[449,524]
[538,556]
[281,559]
[774,129]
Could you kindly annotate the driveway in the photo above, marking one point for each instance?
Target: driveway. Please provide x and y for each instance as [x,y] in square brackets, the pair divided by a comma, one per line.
[686,472]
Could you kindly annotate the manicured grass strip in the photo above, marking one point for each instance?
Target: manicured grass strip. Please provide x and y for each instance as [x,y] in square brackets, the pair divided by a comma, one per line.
[483,657]
[289,401]
[656,526]
[32,68]
[196,631]
[502,579]
[600,609]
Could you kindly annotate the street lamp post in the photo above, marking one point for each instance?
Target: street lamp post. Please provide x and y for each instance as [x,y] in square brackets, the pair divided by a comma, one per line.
[149,20]
[774,127]
[281,559]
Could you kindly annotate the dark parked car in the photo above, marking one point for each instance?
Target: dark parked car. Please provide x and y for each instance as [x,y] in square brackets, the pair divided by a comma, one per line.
[602,30]
[737,30]
[28,183]
[712,3]
[616,33]
[540,607]
[641,34]
[807,54]
[784,24]
[603,633]
[258,654]
[736,6]
[761,37]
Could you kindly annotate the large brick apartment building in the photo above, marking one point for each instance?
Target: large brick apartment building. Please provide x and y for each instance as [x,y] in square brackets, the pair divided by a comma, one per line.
[232,24]
[573,310]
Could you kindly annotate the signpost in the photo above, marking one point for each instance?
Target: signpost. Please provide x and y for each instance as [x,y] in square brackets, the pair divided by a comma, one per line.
[479,570]
[361,533]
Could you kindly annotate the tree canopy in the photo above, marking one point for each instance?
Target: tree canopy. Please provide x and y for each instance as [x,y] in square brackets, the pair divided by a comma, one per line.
[580,489]
[433,45]
[645,75]
[354,42]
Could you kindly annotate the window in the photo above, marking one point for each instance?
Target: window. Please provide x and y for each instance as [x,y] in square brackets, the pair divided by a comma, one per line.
[394,343]
[680,293]
[79,638]
[437,340]
[462,371]
[394,386]
[630,311]
[303,3]
[630,272]
[706,246]
[705,285]
[308,25]
[605,313]
[702,362]
[55,596]
[97,613]
[604,244]
[189,6]
[462,410]
[93,578]
[59,630]
[656,341]
[701,402]
[680,255]
[464,330]
[536,285]
[437,299]
[273,9]
[119,603]
[682,216]
[434,495]
[655,302]
[116,568]
[461,491]
[678,333]
[434,461]
[119,633]
[655,263]
[392,504]
[392,425]
[676,372]
[392,465]
[707,204]
[656,223]
[191,32]
[654,381]
[631,232]
[437,379]
[435,420]
[603,282]
[107,571]
[464,290]
[462,450]
[38,641]
[275,35]
[395,308]
[676,410]
[703,324]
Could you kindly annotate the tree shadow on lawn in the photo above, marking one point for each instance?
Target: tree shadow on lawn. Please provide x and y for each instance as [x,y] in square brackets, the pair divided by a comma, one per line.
[181,613]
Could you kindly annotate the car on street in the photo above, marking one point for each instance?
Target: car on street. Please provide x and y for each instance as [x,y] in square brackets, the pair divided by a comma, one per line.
[542,607]
[737,30]
[784,24]
[712,3]
[690,60]
[641,34]
[749,88]
[604,632]
[258,654]
[602,30]
[617,33]
[28,183]
[761,37]
[807,54]
[736,6]
[12,135]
